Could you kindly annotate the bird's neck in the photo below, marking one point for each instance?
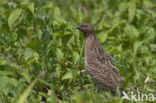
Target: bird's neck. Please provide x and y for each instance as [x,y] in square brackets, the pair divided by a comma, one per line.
[90,37]
[93,47]
[91,41]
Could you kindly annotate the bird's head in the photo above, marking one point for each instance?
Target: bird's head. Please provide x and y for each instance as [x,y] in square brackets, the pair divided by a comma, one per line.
[85,28]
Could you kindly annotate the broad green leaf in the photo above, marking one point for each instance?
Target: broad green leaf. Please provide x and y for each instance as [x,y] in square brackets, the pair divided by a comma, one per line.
[28,53]
[131,10]
[68,75]
[131,31]
[35,45]
[123,7]
[59,54]
[151,34]
[13,65]
[30,6]
[70,42]
[57,12]
[8,80]
[6,73]
[148,3]
[136,46]
[148,33]
[36,56]
[26,75]
[153,70]
[75,57]
[15,14]
[153,47]
[102,37]
[7,83]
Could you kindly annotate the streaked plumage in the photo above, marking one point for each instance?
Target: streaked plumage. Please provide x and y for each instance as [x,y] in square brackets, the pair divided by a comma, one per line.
[98,62]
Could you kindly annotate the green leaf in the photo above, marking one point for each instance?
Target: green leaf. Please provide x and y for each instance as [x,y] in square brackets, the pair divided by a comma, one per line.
[68,75]
[14,65]
[26,75]
[151,34]
[131,10]
[131,31]
[122,7]
[57,12]
[136,46]
[3,62]
[59,53]
[6,73]
[30,6]
[15,14]
[75,57]
[9,80]
[23,97]
[7,84]
[35,45]
[153,47]
[53,96]
[102,37]
[28,53]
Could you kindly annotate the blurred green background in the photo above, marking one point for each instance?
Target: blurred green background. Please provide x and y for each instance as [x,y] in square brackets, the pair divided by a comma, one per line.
[42,54]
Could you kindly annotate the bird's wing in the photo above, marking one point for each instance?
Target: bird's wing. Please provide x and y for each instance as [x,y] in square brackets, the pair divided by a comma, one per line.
[105,59]
[102,70]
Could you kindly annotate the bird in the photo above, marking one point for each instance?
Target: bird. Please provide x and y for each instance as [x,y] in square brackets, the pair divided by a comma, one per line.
[98,63]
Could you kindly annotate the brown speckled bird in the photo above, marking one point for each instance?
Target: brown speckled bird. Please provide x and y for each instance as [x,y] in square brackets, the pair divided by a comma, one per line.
[98,62]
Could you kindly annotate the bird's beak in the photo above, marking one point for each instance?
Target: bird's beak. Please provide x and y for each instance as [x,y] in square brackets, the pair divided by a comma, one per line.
[78,27]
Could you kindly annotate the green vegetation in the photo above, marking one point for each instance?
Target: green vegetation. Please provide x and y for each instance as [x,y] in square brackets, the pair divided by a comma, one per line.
[42,54]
